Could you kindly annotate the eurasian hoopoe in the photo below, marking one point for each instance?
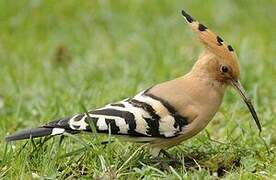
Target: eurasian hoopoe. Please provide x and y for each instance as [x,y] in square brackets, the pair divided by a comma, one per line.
[167,113]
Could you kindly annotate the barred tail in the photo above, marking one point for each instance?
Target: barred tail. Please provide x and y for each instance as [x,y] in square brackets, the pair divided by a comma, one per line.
[56,127]
[34,133]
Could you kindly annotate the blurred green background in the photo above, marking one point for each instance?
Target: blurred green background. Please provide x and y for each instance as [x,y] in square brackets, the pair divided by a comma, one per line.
[56,56]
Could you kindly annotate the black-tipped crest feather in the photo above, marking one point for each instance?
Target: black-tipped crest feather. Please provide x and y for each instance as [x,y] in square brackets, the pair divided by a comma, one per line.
[211,41]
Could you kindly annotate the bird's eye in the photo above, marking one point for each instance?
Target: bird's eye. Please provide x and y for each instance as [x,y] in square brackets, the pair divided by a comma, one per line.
[224,69]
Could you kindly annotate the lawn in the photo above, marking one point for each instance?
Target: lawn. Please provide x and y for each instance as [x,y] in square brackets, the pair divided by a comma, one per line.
[57,57]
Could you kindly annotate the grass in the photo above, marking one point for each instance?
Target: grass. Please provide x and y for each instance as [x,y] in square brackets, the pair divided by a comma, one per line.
[57,57]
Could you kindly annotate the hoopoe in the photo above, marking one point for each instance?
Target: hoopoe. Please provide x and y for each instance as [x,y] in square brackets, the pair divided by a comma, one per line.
[167,113]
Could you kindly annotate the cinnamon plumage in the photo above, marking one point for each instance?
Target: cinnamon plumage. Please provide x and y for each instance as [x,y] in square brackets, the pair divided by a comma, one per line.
[167,113]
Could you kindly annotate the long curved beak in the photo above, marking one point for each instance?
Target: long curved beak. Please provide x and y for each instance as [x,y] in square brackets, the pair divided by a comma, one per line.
[237,85]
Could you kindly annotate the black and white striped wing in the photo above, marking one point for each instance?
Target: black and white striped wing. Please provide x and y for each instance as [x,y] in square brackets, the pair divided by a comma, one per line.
[142,115]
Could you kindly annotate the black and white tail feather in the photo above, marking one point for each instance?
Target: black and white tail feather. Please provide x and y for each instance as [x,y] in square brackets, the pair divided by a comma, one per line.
[145,115]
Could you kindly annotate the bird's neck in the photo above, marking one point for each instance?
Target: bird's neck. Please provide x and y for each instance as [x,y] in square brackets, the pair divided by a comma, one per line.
[206,65]
[206,80]
[190,90]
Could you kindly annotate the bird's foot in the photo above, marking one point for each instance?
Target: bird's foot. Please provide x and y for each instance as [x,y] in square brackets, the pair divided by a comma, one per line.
[171,160]
[166,160]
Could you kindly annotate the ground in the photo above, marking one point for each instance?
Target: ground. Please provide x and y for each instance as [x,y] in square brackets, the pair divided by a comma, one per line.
[59,57]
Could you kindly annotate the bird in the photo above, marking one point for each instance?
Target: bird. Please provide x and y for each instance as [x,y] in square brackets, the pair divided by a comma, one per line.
[168,113]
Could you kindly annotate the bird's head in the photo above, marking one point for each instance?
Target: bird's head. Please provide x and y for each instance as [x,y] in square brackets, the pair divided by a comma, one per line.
[219,61]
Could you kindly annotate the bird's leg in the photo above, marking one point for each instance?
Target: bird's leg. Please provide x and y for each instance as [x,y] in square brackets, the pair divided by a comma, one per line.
[106,142]
[167,160]
[171,160]
[165,153]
